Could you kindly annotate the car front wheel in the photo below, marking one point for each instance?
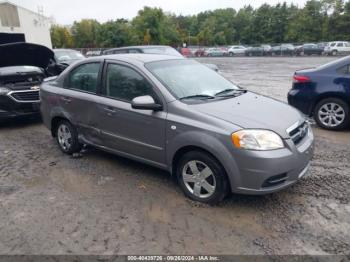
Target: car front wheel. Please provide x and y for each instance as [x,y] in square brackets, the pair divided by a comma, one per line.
[332,114]
[67,137]
[202,178]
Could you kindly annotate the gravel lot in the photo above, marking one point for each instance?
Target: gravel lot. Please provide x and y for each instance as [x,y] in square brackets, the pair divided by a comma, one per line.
[102,204]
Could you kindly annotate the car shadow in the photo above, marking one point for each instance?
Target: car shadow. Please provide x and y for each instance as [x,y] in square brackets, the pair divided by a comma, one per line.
[165,179]
[20,122]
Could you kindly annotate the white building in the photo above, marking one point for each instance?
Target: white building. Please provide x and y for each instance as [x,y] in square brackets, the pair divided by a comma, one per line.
[18,24]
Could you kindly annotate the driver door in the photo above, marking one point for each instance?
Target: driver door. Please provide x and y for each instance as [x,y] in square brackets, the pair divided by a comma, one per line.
[137,133]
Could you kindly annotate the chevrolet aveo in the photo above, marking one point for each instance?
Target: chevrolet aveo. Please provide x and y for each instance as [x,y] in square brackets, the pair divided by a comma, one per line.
[181,116]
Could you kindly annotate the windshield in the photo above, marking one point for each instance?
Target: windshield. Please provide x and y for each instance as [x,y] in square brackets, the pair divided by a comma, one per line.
[162,51]
[187,78]
[68,55]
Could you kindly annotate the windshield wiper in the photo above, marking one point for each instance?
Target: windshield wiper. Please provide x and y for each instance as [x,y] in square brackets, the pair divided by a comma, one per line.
[230,92]
[197,97]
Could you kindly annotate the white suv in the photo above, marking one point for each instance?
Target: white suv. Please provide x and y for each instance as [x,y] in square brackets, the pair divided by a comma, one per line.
[237,50]
[338,47]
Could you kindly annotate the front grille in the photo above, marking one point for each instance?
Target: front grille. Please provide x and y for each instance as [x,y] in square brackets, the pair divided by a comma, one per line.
[275,180]
[298,134]
[26,96]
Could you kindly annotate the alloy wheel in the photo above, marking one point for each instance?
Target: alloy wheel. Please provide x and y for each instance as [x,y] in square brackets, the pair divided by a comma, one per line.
[64,137]
[331,114]
[199,179]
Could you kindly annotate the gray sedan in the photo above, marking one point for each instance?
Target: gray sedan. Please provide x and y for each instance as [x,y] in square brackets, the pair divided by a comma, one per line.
[179,115]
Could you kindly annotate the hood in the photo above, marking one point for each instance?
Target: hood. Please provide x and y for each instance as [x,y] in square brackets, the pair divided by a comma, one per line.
[253,111]
[19,54]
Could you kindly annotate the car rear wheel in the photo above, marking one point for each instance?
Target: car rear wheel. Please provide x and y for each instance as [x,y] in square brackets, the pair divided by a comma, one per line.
[202,178]
[332,114]
[67,137]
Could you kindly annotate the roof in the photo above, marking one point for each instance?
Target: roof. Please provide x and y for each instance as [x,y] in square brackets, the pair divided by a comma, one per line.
[140,46]
[141,58]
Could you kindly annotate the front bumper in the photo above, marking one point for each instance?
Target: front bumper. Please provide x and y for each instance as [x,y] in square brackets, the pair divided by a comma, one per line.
[9,108]
[263,172]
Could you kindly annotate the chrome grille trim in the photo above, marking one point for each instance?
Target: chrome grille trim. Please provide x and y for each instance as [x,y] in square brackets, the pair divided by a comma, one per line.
[298,131]
[10,94]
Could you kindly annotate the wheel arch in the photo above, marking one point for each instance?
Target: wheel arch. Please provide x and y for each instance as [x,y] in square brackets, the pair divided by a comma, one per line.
[326,96]
[190,148]
[204,142]
[54,122]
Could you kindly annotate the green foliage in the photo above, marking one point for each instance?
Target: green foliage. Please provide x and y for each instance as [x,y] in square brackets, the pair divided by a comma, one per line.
[114,33]
[85,33]
[318,20]
[61,37]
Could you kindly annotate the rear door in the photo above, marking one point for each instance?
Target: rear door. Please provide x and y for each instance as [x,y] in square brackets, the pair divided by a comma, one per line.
[78,97]
[138,133]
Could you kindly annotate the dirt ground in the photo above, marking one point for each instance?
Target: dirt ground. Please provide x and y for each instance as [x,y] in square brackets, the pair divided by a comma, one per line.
[51,203]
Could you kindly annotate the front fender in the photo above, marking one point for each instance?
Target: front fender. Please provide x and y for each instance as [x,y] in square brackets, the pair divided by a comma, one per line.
[207,142]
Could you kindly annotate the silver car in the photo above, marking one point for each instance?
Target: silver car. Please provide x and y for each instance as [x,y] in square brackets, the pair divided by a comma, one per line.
[179,115]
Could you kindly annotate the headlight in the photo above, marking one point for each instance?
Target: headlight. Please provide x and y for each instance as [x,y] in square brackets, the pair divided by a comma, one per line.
[257,140]
[4,90]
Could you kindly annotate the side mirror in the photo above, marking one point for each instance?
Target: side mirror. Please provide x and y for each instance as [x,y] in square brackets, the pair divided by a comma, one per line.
[145,103]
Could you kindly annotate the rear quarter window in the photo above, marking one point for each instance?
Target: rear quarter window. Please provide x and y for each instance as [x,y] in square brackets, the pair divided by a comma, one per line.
[84,77]
[344,70]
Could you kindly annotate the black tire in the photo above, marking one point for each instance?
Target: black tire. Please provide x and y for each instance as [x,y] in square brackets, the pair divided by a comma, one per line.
[334,52]
[218,172]
[338,102]
[74,145]
[231,54]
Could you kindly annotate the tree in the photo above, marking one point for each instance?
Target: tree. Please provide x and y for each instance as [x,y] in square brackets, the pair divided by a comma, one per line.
[85,33]
[61,37]
[318,20]
[114,33]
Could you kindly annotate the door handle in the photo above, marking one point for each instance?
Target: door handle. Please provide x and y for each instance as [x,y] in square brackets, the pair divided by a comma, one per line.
[66,99]
[110,110]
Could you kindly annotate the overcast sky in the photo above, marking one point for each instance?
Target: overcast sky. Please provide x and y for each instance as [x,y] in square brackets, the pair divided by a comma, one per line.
[67,11]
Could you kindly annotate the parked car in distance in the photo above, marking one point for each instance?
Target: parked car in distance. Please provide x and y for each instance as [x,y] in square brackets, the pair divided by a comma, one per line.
[322,45]
[260,50]
[146,49]
[23,67]
[337,47]
[199,52]
[215,51]
[186,52]
[67,56]
[236,50]
[93,53]
[224,50]
[154,49]
[178,115]
[309,49]
[284,49]
[324,93]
